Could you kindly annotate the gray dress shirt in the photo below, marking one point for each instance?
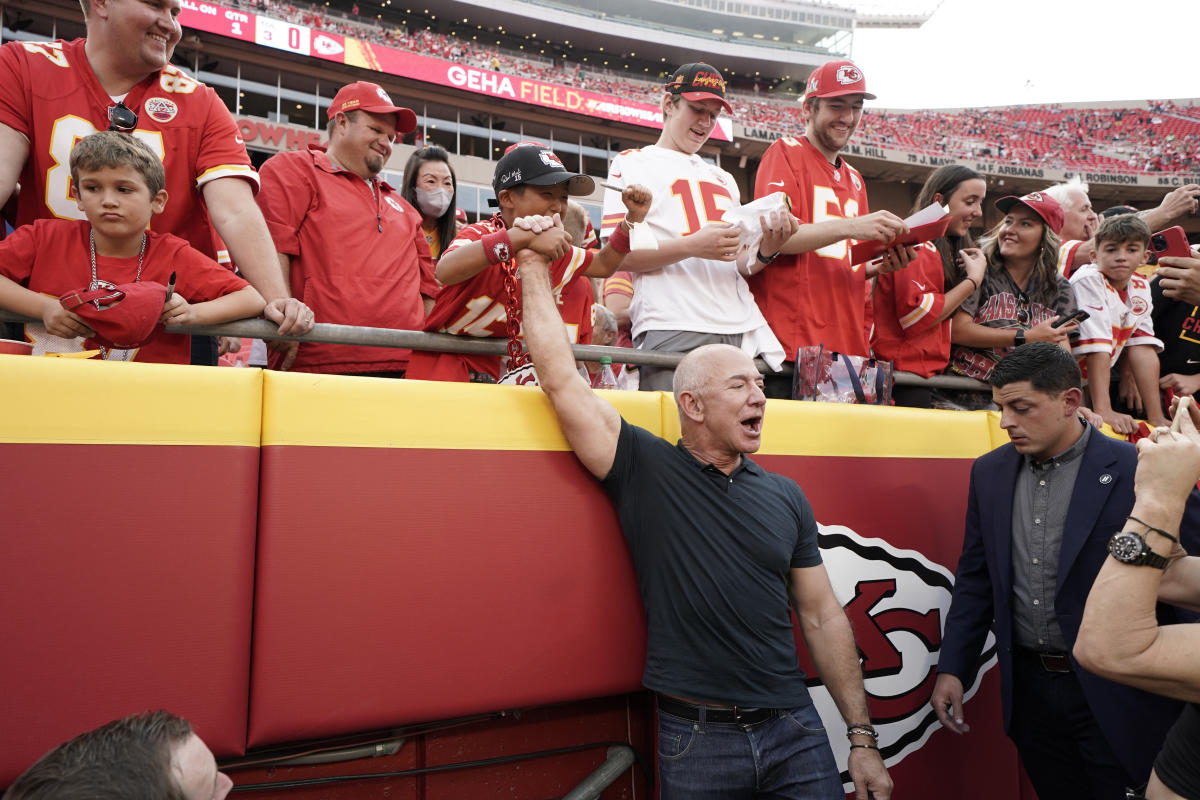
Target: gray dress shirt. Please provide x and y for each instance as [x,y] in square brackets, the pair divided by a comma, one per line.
[1043,493]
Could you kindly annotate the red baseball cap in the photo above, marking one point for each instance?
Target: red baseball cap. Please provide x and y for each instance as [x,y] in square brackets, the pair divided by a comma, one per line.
[367,96]
[699,82]
[1039,203]
[835,79]
[124,316]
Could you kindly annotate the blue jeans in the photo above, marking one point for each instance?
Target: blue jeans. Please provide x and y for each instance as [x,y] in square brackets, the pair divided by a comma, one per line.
[788,756]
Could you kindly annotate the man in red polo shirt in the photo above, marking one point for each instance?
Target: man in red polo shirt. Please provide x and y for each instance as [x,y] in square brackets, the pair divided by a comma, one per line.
[350,245]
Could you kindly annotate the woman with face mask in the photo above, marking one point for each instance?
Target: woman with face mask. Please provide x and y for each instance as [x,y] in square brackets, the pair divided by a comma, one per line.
[430,186]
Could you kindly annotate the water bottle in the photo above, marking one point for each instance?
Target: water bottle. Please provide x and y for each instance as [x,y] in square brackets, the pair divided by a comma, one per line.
[605,378]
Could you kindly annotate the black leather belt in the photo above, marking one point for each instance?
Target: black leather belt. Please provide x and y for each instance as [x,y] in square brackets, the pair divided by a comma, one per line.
[721,715]
[1051,662]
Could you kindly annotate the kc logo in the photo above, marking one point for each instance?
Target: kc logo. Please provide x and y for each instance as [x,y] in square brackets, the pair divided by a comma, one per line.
[896,601]
[848,74]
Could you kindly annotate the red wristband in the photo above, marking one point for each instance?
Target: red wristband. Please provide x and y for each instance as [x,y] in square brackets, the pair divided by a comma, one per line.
[619,240]
[497,247]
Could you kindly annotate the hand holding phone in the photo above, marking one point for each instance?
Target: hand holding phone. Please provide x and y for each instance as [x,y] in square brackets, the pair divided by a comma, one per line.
[1170,242]
[1063,319]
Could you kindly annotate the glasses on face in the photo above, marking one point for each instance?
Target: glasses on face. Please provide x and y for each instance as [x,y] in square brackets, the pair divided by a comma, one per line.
[122,118]
[1022,308]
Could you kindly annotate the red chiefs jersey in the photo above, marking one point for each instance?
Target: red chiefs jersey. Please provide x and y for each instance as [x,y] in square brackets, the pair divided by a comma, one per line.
[476,307]
[818,297]
[51,256]
[907,305]
[49,93]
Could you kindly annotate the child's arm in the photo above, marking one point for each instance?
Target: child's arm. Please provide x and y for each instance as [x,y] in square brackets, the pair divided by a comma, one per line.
[1143,362]
[1099,379]
[242,304]
[58,321]
[637,200]
[468,260]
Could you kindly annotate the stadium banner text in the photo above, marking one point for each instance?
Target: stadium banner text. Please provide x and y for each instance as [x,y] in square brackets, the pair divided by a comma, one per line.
[269,32]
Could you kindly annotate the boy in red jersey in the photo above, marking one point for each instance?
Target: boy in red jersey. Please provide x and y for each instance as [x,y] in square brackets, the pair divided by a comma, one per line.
[120,78]
[118,182]
[478,268]
[812,294]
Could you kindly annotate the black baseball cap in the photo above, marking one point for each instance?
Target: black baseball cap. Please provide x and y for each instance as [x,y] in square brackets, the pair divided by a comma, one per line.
[1117,211]
[699,82]
[534,164]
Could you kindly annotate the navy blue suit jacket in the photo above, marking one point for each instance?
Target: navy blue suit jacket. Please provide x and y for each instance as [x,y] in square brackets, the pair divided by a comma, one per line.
[1134,722]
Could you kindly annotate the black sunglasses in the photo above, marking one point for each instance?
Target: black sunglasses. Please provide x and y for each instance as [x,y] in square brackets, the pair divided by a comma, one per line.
[122,118]
[1023,315]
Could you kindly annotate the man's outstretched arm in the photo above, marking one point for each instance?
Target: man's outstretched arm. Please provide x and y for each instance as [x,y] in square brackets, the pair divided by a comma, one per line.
[590,424]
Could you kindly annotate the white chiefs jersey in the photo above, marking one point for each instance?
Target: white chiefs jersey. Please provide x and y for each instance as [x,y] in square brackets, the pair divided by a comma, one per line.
[694,294]
[1118,319]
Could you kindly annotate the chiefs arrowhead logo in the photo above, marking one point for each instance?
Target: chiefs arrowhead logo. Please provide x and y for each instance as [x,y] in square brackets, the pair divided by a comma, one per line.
[896,601]
[847,75]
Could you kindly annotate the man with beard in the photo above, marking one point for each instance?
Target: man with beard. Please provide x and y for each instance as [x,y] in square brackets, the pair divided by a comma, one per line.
[348,242]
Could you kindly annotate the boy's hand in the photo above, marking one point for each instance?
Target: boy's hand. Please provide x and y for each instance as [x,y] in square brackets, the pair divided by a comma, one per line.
[552,243]
[1180,384]
[777,228]
[637,200]
[1121,423]
[176,311]
[537,223]
[716,240]
[64,324]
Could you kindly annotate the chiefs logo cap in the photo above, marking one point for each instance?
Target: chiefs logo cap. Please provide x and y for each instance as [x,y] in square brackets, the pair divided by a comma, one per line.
[370,97]
[836,79]
[1039,203]
[535,164]
[699,82]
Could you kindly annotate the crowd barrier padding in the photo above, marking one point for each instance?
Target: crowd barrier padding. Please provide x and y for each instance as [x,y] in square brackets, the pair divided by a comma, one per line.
[127,553]
[395,552]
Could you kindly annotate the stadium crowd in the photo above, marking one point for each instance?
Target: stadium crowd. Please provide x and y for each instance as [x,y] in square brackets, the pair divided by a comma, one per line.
[1163,137]
[1053,308]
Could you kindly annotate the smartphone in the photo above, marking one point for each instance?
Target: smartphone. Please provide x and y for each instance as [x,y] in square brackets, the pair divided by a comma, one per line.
[1171,242]
[1063,319]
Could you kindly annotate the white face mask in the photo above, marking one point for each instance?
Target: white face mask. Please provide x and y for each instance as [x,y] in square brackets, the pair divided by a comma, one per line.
[433,202]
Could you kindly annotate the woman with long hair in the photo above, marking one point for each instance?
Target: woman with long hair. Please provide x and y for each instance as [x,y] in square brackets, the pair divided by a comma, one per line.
[913,306]
[429,185]
[1022,293]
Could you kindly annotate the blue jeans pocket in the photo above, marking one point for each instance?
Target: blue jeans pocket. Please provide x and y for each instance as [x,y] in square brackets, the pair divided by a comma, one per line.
[675,736]
[806,719]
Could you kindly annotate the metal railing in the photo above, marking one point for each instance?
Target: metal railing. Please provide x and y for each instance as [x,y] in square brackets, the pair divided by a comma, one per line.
[327,333]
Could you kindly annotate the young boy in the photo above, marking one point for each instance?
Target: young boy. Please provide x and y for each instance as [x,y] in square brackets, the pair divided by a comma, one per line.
[478,269]
[118,184]
[1119,302]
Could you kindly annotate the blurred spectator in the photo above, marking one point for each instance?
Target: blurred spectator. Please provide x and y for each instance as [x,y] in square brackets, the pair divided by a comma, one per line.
[1022,292]
[150,755]
[350,244]
[430,186]
[913,307]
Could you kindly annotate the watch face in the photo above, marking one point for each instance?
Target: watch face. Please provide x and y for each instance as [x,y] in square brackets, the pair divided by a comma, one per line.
[1127,547]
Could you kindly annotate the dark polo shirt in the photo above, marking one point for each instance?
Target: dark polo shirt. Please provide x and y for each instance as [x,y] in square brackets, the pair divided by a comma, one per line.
[713,554]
